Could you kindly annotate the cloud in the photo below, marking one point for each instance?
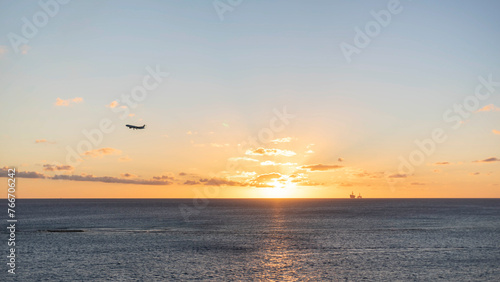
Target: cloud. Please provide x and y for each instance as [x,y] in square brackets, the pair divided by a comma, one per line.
[124,159]
[320,167]
[282,140]
[269,152]
[398,175]
[3,50]
[101,152]
[221,182]
[442,163]
[496,131]
[474,173]
[266,177]
[113,104]
[110,179]
[489,108]
[164,177]
[273,163]
[340,159]
[306,182]
[191,182]
[370,174]
[24,49]
[29,174]
[264,180]
[65,103]
[22,174]
[276,179]
[488,160]
[243,159]
[216,145]
[417,183]
[128,175]
[43,141]
[50,167]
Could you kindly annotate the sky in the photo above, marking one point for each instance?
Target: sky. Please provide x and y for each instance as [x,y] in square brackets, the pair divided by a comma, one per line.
[250,99]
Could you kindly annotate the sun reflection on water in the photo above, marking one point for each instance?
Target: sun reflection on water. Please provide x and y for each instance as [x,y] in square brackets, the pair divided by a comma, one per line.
[276,256]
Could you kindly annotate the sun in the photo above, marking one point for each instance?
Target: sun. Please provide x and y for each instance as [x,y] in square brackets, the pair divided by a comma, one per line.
[279,189]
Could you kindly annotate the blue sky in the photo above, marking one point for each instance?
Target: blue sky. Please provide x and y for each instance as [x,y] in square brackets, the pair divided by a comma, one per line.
[263,55]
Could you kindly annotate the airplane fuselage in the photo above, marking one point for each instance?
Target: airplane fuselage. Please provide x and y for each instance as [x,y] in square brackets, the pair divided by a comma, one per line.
[135,127]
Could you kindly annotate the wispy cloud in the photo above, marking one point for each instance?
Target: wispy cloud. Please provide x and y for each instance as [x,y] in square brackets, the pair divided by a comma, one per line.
[369,174]
[24,49]
[128,175]
[124,159]
[22,174]
[442,163]
[276,164]
[276,179]
[64,103]
[309,149]
[110,179]
[97,153]
[320,167]
[113,104]
[282,140]
[3,50]
[164,177]
[266,177]
[398,175]
[43,141]
[50,167]
[489,108]
[269,152]
[217,145]
[243,159]
[302,179]
[488,160]
[220,182]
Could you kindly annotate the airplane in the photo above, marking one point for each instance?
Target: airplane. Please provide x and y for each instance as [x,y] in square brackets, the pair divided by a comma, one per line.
[135,127]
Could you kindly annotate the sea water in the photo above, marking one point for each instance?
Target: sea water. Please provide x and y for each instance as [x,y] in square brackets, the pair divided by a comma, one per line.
[271,239]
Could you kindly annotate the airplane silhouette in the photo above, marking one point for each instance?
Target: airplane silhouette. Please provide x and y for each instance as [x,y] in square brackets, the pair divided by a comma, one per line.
[135,127]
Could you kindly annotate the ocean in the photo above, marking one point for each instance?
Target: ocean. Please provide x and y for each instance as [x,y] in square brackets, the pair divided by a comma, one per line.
[256,240]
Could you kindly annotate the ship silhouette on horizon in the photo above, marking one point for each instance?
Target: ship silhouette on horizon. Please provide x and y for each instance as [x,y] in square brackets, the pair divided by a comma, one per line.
[352,196]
